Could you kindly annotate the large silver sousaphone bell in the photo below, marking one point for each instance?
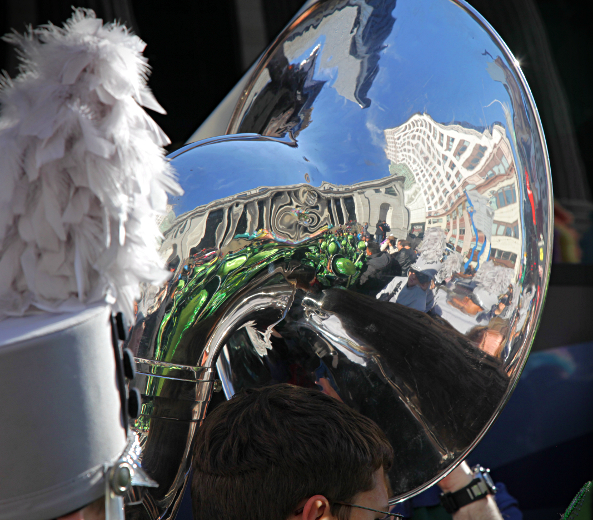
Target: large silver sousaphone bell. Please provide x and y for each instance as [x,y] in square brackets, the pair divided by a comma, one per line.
[410,113]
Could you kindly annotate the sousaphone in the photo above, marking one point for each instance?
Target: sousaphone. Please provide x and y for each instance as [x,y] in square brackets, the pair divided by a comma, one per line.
[411,113]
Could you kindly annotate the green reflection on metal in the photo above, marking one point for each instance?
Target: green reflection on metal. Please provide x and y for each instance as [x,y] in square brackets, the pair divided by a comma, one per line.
[333,248]
[206,282]
[231,265]
[345,266]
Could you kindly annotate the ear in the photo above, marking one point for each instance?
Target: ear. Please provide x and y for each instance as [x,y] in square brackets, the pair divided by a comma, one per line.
[317,508]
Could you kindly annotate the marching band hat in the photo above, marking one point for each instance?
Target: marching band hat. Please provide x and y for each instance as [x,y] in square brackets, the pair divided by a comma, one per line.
[62,422]
[83,179]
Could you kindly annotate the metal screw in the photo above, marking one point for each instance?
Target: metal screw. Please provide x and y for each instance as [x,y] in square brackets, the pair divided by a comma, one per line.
[121,478]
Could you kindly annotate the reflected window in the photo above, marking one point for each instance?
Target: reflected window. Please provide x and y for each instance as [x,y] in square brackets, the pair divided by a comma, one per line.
[510,195]
[503,197]
[461,148]
[450,141]
[477,154]
[501,201]
[508,232]
[516,231]
[441,138]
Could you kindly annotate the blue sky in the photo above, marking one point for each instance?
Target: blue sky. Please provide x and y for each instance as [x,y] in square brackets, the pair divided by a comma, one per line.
[432,62]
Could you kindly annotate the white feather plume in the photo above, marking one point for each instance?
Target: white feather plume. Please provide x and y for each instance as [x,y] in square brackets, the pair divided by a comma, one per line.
[453,263]
[82,170]
[494,278]
[433,246]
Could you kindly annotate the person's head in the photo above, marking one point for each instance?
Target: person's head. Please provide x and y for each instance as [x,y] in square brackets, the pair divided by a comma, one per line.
[268,453]
[403,244]
[418,278]
[489,340]
[373,248]
[421,274]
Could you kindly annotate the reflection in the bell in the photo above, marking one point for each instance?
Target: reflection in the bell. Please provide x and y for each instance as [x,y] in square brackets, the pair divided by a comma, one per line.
[281,284]
[289,213]
[417,366]
[282,311]
[368,133]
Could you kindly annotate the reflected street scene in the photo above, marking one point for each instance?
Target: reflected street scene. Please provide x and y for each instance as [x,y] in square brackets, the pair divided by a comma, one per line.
[376,225]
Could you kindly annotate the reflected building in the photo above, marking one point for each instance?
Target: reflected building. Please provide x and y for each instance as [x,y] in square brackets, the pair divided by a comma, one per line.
[282,97]
[369,23]
[292,213]
[463,180]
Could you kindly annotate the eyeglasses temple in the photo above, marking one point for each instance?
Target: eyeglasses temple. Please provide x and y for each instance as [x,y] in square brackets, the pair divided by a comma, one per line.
[397,515]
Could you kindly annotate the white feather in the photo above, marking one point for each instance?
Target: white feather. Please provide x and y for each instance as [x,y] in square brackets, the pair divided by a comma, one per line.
[494,278]
[453,263]
[433,246]
[82,170]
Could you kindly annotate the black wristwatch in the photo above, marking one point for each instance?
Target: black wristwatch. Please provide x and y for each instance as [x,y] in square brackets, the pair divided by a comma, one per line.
[478,488]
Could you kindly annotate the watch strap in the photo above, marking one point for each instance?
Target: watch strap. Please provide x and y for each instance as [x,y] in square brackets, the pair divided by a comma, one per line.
[475,490]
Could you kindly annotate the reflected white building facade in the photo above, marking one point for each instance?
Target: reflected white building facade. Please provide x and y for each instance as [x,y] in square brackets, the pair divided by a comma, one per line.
[292,213]
[446,166]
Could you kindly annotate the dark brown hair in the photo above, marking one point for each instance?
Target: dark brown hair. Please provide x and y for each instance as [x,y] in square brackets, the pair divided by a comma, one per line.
[262,452]
[374,248]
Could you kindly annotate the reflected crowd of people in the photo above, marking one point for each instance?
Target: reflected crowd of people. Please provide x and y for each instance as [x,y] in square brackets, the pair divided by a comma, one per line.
[480,300]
